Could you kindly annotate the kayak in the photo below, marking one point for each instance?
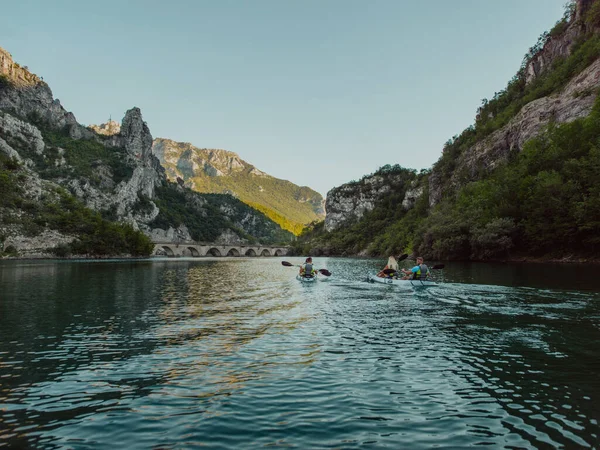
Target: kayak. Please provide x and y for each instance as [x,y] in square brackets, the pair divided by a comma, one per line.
[306,279]
[415,283]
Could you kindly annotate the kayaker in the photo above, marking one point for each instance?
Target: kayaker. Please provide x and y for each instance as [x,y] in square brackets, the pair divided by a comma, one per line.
[419,272]
[391,264]
[307,269]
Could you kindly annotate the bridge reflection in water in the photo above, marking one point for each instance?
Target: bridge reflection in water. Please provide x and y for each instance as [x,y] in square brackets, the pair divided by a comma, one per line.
[198,250]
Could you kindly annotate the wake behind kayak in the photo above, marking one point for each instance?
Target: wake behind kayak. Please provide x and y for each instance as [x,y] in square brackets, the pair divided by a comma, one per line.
[397,281]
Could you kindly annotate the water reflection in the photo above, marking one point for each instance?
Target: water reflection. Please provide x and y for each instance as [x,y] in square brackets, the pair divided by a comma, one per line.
[232,353]
[517,349]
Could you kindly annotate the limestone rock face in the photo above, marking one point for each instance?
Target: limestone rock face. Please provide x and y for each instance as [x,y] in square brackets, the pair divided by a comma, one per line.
[560,45]
[14,236]
[20,133]
[135,137]
[574,101]
[29,96]
[92,197]
[350,202]
[147,174]
[37,246]
[229,237]
[179,234]
[20,76]
[120,181]
[9,151]
[412,195]
[191,161]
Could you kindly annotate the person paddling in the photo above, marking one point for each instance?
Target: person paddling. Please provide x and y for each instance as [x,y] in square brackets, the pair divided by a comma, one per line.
[419,272]
[391,264]
[307,269]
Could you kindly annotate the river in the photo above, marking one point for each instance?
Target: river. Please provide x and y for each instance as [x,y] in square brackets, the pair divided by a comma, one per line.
[231,353]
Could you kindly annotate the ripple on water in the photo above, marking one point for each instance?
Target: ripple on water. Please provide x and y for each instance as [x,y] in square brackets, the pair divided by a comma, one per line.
[175,354]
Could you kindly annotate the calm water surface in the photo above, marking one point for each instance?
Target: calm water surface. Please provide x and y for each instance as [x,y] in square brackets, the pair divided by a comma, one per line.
[236,353]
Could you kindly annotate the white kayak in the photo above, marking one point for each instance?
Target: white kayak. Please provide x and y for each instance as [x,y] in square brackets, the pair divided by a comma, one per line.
[306,279]
[415,283]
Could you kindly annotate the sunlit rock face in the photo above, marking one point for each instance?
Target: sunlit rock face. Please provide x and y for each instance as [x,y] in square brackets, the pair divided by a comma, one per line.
[209,170]
[26,95]
[109,128]
[190,161]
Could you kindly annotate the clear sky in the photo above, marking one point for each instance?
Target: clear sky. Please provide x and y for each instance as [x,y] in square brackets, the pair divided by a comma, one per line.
[318,92]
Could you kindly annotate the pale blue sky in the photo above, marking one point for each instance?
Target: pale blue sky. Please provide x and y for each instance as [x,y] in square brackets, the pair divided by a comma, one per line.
[316,92]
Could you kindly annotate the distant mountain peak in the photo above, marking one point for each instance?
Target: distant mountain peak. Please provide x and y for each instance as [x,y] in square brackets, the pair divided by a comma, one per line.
[208,170]
[192,160]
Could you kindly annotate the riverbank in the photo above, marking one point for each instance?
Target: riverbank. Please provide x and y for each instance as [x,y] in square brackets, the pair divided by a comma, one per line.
[71,257]
[551,259]
[520,259]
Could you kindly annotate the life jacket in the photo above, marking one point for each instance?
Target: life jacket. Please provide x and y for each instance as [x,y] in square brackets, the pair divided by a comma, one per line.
[422,273]
[307,270]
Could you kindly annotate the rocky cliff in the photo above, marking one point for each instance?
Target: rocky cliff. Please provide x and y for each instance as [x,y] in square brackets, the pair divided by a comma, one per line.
[574,99]
[221,171]
[184,160]
[113,172]
[560,43]
[31,97]
[134,136]
[349,203]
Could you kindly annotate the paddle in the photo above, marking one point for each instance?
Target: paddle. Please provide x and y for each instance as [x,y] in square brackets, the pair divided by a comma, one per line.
[402,257]
[325,272]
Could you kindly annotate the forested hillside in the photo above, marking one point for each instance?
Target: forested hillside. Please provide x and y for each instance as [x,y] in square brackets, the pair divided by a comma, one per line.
[521,182]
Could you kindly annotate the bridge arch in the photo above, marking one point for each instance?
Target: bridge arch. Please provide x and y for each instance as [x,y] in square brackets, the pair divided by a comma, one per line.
[265,252]
[191,251]
[233,252]
[278,252]
[168,251]
[250,252]
[213,252]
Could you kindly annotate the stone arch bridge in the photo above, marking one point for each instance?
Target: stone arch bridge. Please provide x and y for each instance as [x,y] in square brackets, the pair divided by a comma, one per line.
[203,249]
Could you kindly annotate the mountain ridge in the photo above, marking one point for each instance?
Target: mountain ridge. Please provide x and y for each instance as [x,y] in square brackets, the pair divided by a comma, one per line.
[521,183]
[67,190]
[223,171]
